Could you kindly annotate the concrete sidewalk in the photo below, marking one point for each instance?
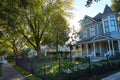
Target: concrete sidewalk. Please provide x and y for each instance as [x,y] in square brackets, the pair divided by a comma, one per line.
[115,76]
[9,73]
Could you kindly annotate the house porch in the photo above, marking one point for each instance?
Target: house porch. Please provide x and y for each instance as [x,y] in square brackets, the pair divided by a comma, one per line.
[101,47]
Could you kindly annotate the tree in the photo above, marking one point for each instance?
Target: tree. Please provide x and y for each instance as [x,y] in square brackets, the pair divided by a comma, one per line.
[11,41]
[115,5]
[57,34]
[89,2]
[32,17]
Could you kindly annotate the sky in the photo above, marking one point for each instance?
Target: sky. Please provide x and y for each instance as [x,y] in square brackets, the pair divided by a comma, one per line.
[80,10]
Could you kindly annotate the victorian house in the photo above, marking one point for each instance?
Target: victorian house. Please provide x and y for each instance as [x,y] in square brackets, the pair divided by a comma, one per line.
[100,35]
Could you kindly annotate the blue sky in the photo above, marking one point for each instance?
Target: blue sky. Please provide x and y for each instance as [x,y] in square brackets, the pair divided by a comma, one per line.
[80,10]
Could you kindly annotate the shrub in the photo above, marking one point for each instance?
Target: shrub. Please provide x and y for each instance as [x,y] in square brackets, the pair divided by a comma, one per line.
[10,58]
[81,59]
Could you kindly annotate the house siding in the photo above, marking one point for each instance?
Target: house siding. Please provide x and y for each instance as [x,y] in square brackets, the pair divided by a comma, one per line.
[100,29]
[96,30]
[88,32]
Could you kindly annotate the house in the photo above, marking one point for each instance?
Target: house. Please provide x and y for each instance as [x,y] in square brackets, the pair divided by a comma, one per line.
[100,35]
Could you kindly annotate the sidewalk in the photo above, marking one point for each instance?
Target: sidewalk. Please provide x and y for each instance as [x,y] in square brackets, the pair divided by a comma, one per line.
[9,73]
[115,76]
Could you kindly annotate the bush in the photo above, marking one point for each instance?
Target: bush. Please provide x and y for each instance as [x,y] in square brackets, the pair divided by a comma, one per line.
[81,59]
[75,72]
[10,58]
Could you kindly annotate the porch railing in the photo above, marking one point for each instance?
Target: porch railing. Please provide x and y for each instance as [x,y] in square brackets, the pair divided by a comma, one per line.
[91,54]
[107,53]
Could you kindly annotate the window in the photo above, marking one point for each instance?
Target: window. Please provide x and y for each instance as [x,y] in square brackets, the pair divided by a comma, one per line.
[112,22]
[106,26]
[112,16]
[92,31]
[85,33]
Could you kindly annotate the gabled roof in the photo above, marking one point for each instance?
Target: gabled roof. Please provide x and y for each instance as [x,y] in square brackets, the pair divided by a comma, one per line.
[89,18]
[98,17]
[107,10]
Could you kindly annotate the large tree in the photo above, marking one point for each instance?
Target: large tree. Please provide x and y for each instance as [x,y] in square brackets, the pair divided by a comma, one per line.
[57,34]
[116,5]
[32,17]
[11,41]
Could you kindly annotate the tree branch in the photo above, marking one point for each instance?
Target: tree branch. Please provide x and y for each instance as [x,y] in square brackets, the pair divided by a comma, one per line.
[28,40]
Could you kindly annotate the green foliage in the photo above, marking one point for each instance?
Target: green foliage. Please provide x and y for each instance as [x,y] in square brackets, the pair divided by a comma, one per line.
[57,30]
[73,71]
[89,2]
[81,59]
[31,18]
[24,53]
[115,5]
[10,58]
[81,72]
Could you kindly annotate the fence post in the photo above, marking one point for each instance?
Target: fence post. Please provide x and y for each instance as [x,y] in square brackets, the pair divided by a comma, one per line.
[89,66]
[108,63]
[59,67]
[31,64]
[45,69]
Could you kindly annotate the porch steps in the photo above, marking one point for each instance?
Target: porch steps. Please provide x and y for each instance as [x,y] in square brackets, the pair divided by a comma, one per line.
[96,59]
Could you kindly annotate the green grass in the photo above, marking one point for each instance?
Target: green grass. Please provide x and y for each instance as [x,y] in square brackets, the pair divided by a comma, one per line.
[25,73]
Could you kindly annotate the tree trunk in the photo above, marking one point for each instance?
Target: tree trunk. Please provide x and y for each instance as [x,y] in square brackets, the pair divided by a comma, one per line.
[57,50]
[38,50]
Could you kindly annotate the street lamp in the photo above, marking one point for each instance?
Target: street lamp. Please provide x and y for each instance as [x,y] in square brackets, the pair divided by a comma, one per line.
[71,43]
[71,48]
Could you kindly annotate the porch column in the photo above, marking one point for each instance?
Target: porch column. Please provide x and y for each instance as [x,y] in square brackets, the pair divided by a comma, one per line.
[119,45]
[81,52]
[109,46]
[87,49]
[94,48]
[100,48]
[113,50]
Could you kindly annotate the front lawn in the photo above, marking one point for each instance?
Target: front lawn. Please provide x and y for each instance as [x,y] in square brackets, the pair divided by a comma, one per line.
[65,70]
